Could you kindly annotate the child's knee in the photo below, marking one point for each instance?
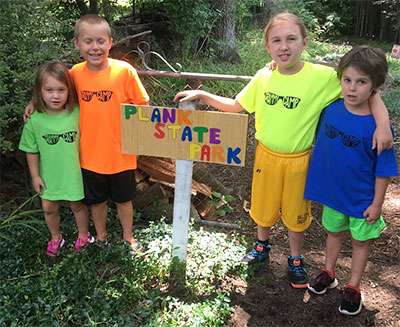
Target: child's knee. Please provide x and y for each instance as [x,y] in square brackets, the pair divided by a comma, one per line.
[50,207]
[336,234]
[77,207]
[360,244]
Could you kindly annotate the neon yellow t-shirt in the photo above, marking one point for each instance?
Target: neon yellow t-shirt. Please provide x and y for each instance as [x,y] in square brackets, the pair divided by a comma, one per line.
[288,107]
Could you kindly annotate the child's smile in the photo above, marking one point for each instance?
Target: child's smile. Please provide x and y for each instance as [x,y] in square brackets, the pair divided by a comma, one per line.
[285,45]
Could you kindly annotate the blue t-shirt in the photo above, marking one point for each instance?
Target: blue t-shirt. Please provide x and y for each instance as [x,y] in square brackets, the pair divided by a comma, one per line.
[343,165]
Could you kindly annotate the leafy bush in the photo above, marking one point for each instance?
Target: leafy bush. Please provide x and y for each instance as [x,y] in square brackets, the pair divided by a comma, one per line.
[28,38]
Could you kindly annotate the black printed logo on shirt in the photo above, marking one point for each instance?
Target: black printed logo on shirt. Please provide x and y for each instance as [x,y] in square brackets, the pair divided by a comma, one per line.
[68,137]
[103,95]
[289,102]
[347,139]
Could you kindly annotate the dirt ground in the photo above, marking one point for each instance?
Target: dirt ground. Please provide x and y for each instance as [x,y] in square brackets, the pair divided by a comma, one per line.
[267,299]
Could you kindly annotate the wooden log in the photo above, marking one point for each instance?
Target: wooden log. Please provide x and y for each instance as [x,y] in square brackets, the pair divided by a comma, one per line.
[145,199]
[202,174]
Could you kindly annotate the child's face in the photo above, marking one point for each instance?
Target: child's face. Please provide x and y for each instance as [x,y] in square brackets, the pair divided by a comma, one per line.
[94,44]
[285,45]
[55,95]
[356,89]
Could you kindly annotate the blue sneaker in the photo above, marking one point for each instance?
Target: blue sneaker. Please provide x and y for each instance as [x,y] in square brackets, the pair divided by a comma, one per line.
[297,273]
[258,254]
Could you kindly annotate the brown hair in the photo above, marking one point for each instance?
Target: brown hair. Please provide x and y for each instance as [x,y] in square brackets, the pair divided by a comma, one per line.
[90,19]
[369,60]
[285,17]
[57,70]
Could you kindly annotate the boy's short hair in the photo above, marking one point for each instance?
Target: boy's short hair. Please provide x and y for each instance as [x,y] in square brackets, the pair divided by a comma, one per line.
[285,17]
[90,19]
[369,60]
[58,71]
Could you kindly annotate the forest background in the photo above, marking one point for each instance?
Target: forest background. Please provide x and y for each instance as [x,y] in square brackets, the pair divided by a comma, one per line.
[204,36]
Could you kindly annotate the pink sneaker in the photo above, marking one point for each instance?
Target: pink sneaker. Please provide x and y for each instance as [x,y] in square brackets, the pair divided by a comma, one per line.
[54,247]
[82,242]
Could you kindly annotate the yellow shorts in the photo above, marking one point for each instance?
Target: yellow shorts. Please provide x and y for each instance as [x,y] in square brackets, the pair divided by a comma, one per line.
[278,186]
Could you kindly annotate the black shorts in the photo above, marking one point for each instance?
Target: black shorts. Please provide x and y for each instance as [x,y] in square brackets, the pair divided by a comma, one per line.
[119,187]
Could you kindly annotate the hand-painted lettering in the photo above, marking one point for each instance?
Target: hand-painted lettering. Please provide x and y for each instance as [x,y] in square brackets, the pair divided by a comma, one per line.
[129,111]
[200,131]
[183,117]
[214,136]
[160,134]
[233,156]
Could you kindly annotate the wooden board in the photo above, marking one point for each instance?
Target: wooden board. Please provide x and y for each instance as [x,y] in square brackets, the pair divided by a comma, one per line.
[205,136]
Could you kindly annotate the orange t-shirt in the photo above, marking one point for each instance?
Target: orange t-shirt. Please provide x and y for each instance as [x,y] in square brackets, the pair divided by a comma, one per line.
[100,95]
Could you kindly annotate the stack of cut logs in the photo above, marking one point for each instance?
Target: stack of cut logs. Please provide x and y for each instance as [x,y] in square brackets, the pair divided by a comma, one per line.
[155,178]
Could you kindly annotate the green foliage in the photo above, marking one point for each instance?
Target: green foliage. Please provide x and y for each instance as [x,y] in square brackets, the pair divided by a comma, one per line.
[104,287]
[391,99]
[191,22]
[220,203]
[11,217]
[28,37]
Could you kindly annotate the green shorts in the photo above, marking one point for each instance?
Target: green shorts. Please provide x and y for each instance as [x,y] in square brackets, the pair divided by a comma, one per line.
[360,230]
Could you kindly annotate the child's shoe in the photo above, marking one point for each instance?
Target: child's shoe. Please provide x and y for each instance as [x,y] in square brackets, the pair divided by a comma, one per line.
[297,273]
[258,254]
[133,250]
[352,300]
[322,282]
[82,242]
[54,247]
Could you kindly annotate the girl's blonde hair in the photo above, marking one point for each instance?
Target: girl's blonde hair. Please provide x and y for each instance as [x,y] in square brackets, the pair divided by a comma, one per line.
[285,17]
[58,71]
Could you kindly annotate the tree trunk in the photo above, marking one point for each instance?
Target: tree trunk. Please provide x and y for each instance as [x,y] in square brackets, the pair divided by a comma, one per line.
[107,10]
[82,7]
[225,45]
[94,6]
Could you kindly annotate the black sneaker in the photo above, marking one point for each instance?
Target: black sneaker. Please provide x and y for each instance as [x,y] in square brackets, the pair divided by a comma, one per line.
[322,282]
[297,273]
[352,301]
[258,254]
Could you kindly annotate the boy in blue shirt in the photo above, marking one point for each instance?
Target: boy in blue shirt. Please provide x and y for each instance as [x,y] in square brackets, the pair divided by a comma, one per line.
[347,176]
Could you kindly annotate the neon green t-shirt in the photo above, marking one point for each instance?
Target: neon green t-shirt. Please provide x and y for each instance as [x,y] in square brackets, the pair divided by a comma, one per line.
[56,139]
[288,107]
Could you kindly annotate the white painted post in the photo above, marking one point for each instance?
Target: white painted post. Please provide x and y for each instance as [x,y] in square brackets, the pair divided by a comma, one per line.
[183,187]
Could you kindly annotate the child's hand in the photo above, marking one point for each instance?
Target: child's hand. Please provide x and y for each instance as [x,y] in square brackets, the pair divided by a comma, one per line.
[187,96]
[28,112]
[271,65]
[372,213]
[38,183]
[382,139]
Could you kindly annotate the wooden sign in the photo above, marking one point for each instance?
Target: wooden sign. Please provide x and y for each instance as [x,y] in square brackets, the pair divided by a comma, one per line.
[395,51]
[194,135]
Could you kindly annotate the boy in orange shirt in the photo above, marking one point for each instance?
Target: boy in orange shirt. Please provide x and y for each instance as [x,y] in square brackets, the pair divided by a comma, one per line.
[102,84]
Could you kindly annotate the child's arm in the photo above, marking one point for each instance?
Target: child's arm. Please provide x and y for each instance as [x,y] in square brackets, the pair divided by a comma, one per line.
[383,137]
[373,212]
[216,101]
[28,112]
[33,164]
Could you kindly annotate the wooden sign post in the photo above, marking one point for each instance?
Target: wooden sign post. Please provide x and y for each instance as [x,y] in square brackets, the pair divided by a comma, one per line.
[186,135]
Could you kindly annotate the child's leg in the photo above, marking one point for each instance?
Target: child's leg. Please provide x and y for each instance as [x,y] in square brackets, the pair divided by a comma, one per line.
[99,215]
[358,261]
[125,214]
[296,243]
[334,243]
[263,233]
[52,218]
[82,218]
